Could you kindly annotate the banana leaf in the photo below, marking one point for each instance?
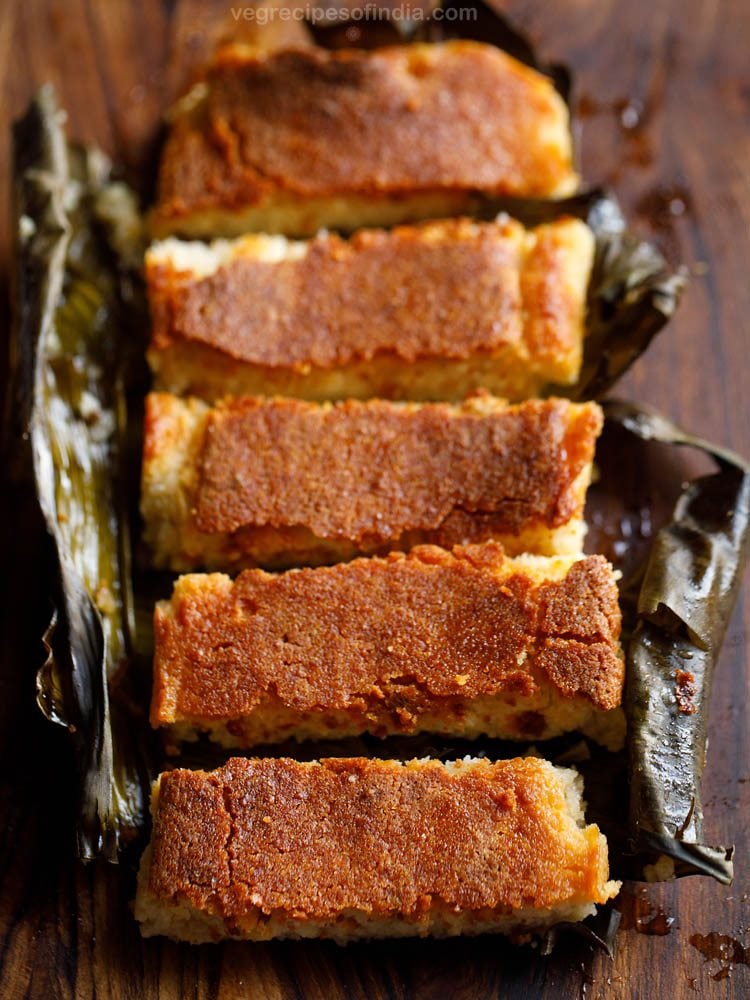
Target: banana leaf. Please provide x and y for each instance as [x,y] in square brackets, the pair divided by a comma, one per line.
[69,413]
[680,614]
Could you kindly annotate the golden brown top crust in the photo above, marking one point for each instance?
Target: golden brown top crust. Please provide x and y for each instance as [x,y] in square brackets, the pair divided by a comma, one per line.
[451,295]
[372,471]
[553,312]
[312,840]
[394,636]
[310,123]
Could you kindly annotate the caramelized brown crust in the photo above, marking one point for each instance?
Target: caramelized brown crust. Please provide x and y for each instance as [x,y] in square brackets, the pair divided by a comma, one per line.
[445,290]
[280,482]
[372,471]
[274,840]
[450,290]
[347,300]
[387,641]
[309,123]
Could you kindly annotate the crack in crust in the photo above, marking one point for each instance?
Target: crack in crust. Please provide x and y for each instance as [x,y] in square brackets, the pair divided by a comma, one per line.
[281,482]
[348,848]
[432,641]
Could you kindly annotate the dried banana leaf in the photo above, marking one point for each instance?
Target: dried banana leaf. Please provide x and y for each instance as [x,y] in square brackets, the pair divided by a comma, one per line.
[682,608]
[70,365]
[631,296]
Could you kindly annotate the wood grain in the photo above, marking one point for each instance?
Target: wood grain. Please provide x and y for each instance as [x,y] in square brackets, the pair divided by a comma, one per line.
[665,112]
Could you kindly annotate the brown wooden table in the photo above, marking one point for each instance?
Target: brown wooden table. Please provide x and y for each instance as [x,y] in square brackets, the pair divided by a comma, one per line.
[664,103]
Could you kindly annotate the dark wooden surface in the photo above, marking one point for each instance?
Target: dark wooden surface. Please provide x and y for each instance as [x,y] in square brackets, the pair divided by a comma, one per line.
[664,102]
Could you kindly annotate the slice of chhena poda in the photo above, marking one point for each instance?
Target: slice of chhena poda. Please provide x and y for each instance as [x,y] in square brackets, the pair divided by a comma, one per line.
[465,642]
[294,141]
[356,848]
[423,312]
[275,483]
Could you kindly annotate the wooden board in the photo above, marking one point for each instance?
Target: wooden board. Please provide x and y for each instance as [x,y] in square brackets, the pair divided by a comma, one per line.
[664,102]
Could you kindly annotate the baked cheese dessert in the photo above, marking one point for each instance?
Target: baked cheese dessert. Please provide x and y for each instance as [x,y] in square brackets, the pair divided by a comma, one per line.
[281,482]
[466,643]
[295,140]
[357,848]
[430,311]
